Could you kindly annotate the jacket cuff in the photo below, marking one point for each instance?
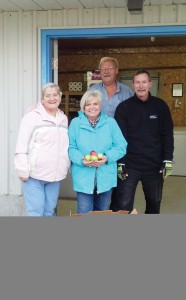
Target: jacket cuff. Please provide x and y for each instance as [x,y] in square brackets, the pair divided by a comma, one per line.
[23,174]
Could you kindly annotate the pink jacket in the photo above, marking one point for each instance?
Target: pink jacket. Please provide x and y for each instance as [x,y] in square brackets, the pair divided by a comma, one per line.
[42,146]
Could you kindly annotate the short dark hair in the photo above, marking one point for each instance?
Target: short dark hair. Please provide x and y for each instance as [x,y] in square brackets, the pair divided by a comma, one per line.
[142,72]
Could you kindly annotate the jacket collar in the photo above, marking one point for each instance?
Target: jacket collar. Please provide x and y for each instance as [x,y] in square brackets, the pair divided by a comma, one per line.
[139,100]
[118,86]
[45,116]
[85,123]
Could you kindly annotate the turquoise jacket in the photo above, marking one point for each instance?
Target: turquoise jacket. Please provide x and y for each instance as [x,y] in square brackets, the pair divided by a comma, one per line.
[105,138]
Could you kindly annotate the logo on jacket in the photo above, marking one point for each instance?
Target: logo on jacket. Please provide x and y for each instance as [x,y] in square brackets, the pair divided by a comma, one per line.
[153,117]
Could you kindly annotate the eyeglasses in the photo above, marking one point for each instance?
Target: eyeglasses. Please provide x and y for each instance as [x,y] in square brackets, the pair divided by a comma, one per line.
[107,69]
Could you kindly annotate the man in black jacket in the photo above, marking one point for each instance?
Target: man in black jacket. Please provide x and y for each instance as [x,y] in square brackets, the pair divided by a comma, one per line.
[147,126]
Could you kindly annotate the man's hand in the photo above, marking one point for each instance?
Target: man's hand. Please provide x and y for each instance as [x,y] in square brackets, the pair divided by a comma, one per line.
[122,171]
[166,168]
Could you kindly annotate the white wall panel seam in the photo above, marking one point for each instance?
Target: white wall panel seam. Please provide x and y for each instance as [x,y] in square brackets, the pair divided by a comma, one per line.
[39,60]
[96,16]
[80,19]
[3,109]
[179,13]
[112,16]
[17,187]
[13,96]
[6,155]
[49,23]
[65,18]
[35,60]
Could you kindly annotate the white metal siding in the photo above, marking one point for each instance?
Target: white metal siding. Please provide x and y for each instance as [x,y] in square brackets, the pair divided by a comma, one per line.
[20,69]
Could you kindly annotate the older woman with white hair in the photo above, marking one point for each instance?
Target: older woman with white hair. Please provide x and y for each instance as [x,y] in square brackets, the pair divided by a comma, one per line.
[41,154]
[92,132]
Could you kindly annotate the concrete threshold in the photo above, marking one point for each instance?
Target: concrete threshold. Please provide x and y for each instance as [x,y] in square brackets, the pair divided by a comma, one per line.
[12,205]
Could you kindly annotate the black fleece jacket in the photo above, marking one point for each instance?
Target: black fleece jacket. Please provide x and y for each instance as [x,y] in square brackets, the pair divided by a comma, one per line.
[148,128]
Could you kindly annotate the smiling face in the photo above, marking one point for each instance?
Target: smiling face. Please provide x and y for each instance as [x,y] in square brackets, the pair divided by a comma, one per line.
[92,108]
[51,100]
[141,85]
[108,72]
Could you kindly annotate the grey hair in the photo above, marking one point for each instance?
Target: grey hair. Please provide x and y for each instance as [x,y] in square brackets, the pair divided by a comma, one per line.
[50,85]
[88,95]
[108,59]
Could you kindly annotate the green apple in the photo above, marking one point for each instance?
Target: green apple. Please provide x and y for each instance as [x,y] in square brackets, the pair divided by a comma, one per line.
[94,157]
[100,156]
[87,157]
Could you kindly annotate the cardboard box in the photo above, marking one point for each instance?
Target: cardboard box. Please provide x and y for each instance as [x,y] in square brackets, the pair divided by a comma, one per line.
[107,212]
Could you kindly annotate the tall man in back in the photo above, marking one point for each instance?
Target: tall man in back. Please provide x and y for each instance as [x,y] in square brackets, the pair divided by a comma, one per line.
[147,126]
[113,91]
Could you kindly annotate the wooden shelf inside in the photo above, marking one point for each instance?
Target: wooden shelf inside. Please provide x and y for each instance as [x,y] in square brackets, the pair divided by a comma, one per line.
[74,98]
[73,109]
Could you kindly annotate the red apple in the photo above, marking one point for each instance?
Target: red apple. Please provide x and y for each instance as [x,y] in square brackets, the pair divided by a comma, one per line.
[93,152]
[93,155]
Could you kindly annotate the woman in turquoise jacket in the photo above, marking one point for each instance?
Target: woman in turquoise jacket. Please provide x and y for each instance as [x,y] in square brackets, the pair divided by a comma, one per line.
[92,130]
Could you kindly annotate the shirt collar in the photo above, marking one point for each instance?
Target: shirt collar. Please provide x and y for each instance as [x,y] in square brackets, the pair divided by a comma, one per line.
[117,86]
[94,123]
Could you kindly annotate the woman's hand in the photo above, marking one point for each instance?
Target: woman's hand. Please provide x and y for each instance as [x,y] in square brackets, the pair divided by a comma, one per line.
[96,163]
[23,179]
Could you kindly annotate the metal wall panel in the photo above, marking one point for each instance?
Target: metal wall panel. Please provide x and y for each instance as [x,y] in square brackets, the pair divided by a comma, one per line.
[3,111]
[11,56]
[88,17]
[151,15]
[20,62]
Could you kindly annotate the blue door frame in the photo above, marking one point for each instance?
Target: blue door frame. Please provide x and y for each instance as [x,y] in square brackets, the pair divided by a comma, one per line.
[47,35]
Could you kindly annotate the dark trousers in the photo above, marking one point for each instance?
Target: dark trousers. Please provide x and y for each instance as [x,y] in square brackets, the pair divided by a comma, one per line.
[123,195]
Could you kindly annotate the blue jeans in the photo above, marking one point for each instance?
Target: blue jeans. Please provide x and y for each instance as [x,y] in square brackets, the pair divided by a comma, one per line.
[93,202]
[40,197]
